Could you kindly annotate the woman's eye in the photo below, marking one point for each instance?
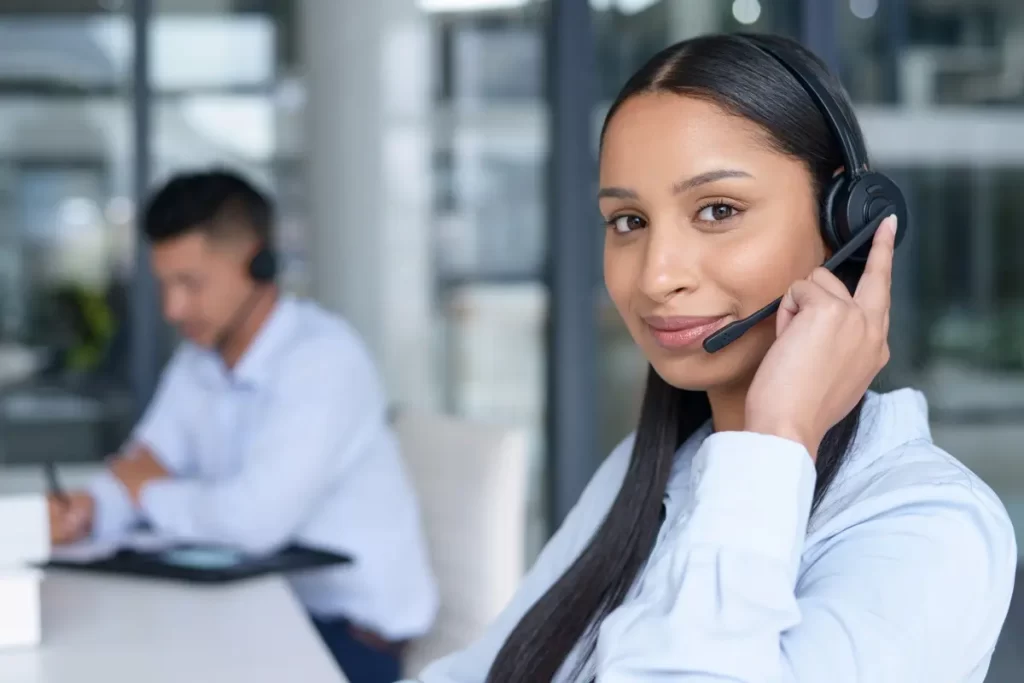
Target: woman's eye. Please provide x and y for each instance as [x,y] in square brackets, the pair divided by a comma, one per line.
[716,212]
[627,224]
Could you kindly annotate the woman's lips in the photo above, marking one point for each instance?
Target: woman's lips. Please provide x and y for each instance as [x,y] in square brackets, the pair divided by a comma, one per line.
[682,331]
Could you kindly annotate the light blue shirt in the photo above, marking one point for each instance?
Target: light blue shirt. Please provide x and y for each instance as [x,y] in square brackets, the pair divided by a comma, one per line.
[293,445]
[903,575]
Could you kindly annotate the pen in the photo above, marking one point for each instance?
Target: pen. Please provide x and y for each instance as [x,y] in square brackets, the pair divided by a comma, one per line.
[53,483]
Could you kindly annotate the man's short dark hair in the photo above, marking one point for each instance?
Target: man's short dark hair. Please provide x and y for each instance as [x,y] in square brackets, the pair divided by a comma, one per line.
[216,202]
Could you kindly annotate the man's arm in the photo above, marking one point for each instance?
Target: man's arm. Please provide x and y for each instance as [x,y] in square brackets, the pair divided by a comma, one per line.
[136,469]
[327,406]
[157,445]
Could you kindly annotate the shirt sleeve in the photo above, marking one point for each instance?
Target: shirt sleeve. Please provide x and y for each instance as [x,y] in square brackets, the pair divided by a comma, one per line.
[161,431]
[325,407]
[916,590]
[114,513]
[470,665]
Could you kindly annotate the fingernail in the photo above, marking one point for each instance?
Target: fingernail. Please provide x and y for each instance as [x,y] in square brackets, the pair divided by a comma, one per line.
[893,224]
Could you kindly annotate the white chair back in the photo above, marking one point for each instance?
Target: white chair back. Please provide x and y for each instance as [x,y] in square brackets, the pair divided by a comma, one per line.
[471,480]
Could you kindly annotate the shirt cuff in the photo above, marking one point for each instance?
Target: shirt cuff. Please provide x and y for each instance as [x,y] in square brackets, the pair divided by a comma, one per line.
[752,493]
[113,511]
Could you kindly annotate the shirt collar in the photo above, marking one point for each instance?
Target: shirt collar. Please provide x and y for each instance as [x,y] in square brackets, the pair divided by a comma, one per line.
[254,366]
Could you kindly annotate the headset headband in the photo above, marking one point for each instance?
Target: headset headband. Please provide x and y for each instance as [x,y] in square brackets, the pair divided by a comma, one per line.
[855,158]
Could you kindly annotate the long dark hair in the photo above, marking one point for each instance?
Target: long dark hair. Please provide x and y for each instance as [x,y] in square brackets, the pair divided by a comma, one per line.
[731,72]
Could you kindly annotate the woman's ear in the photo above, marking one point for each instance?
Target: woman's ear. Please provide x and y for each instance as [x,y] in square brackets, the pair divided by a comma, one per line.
[839,171]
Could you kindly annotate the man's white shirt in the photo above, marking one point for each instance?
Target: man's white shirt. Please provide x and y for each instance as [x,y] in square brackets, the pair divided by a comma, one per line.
[291,446]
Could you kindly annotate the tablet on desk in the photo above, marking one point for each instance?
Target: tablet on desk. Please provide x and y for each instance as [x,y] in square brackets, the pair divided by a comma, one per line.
[198,563]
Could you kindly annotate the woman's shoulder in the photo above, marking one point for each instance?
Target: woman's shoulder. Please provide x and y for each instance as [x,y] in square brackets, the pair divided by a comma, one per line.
[893,449]
[908,531]
[896,469]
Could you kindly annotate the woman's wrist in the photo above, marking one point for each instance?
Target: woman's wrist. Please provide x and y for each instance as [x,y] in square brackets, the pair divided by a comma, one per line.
[784,430]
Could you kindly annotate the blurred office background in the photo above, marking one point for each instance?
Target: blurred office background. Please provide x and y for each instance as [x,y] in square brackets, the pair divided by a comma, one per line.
[410,145]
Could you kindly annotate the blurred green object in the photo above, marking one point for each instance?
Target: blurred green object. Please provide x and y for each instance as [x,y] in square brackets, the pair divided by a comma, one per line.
[88,326]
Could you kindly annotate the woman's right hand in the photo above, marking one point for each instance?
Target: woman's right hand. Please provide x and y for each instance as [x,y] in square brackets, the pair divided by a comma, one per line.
[829,347]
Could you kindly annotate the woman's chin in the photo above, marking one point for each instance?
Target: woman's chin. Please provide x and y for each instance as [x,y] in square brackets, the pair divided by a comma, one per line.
[690,373]
[705,372]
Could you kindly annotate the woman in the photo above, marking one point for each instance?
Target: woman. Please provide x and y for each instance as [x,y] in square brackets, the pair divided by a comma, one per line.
[771,519]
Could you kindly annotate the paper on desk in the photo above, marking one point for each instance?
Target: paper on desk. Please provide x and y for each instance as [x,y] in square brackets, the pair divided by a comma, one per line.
[19,619]
[92,551]
[24,530]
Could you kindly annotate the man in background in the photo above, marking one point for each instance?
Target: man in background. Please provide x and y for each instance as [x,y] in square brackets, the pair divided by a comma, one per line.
[269,426]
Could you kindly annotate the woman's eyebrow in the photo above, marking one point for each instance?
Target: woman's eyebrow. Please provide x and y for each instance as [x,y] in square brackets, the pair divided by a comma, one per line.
[708,177]
[678,188]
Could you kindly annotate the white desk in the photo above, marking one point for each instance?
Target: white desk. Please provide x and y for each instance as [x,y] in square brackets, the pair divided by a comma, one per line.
[118,630]
[100,629]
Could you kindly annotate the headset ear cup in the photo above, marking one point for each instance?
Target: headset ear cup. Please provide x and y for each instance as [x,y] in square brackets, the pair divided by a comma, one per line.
[852,204]
[866,198]
[263,267]
[833,214]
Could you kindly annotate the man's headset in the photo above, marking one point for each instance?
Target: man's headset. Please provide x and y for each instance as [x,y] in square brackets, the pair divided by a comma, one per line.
[855,205]
[262,270]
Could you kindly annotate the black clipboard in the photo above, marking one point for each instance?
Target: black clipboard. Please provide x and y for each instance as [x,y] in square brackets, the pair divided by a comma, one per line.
[205,564]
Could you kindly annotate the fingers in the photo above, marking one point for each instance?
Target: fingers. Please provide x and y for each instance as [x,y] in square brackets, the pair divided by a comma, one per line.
[62,526]
[69,520]
[810,292]
[801,295]
[831,284]
[874,290]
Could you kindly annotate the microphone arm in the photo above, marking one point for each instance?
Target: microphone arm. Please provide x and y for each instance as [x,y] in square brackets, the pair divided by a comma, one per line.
[736,329]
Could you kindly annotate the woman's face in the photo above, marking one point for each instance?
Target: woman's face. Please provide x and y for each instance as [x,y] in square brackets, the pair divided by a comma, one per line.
[706,223]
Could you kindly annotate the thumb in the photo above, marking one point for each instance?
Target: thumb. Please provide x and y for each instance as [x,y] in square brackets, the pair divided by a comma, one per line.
[788,309]
[785,315]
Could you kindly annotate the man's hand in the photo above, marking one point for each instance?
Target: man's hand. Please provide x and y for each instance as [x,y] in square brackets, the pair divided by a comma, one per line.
[137,470]
[70,518]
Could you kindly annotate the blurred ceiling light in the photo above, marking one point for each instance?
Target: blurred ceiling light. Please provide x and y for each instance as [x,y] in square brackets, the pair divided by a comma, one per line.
[633,6]
[469,5]
[75,212]
[863,9]
[746,11]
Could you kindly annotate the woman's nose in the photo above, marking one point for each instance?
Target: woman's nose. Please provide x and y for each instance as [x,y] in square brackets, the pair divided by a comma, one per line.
[669,265]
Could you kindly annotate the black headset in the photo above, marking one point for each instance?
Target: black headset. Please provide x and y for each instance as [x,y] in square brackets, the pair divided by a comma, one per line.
[263,266]
[856,203]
